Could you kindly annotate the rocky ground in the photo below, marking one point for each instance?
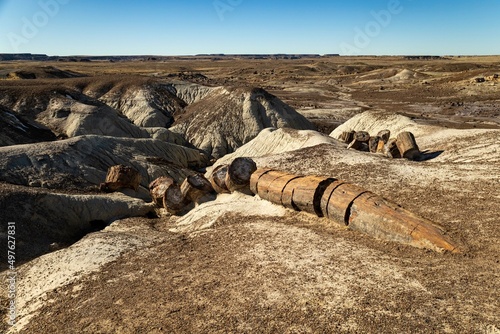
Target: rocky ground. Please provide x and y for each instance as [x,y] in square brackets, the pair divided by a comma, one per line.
[90,262]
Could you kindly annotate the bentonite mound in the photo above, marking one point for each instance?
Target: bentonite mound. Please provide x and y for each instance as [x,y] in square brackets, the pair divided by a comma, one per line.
[83,161]
[229,118]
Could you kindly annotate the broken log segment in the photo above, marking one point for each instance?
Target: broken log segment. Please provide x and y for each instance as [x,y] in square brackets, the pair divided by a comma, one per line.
[385,135]
[407,146]
[254,185]
[277,186]
[195,187]
[380,146]
[391,149]
[373,144]
[239,174]
[174,201]
[158,187]
[347,136]
[264,184]
[375,216]
[119,177]
[218,179]
[360,141]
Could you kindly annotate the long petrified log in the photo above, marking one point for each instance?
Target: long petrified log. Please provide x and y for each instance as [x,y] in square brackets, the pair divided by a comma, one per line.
[238,174]
[407,146]
[158,187]
[349,205]
[119,177]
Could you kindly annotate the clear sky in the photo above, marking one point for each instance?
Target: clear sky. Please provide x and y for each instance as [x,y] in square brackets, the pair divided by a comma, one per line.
[185,27]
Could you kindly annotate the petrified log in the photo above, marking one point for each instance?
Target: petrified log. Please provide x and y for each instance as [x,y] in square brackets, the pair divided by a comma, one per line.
[195,187]
[174,201]
[218,179]
[407,146]
[158,187]
[382,219]
[380,146]
[391,149]
[119,177]
[339,201]
[347,136]
[274,190]
[373,144]
[385,135]
[360,141]
[239,174]
[254,179]
[305,193]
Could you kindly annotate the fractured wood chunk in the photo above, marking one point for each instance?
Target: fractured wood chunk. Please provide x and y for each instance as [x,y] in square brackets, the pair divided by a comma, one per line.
[158,187]
[218,179]
[174,201]
[360,141]
[385,135]
[195,186]
[407,146]
[380,146]
[373,144]
[347,136]
[239,174]
[119,177]
[391,149]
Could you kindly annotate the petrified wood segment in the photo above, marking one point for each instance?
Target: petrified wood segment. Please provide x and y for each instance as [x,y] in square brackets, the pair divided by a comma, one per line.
[385,135]
[119,177]
[340,201]
[174,201]
[239,173]
[308,192]
[195,186]
[218,179]
[255,178]
[276,188]
[347,136]
[265,182]
[373,144]
[158,187]
[407,146]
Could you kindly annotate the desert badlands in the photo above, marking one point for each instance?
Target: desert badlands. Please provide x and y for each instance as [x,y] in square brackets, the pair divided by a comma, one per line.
[103,259]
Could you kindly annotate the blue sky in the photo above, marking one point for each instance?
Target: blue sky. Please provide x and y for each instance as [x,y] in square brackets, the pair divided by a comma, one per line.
[184,27]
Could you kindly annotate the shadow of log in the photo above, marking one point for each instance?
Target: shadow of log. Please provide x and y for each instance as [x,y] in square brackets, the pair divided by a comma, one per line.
[426,155]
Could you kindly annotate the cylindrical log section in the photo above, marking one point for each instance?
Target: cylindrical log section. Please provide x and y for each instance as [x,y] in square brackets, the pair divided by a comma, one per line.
[373,144]
[347,136]
[173,200]
[377,217]
[158,187]
[325,199]
[254,179]
[239,174]
[277,186]
[340,201]
[195,186]
[307,192]
[391,149]
[218,179]
[119,177]
[264,184]
[385,135]
[407,146]
[380,146]
[360,141]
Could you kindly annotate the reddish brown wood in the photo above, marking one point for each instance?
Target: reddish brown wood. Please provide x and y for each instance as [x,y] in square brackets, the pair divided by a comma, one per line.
[254,179]
[158,187]
[174,201]
[360,141]
[373,144]
[391,149]
[325,199]
[119,177]
[276,188]
[305,193]
[218,179]
[265,181]
[385,135]
[195,186]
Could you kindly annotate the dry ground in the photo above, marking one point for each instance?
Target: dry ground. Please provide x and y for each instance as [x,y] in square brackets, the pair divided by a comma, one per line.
[293,273]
